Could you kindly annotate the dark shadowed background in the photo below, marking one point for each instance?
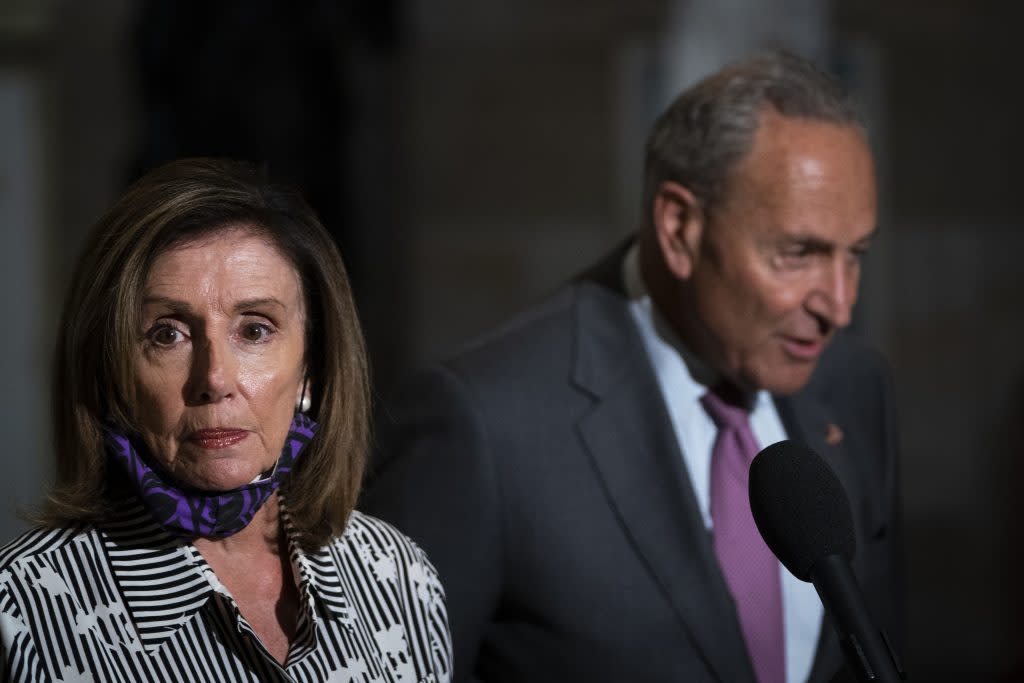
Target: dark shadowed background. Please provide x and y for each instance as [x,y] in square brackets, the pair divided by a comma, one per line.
[469,155]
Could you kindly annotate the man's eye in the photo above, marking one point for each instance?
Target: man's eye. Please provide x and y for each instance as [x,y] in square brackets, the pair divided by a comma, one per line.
[165,335]
[795,251]
[255,332]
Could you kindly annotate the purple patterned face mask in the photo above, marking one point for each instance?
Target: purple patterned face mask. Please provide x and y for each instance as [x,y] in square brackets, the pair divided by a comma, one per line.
[195,513]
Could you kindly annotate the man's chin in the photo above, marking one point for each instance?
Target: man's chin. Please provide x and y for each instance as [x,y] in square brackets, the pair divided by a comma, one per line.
[783,382]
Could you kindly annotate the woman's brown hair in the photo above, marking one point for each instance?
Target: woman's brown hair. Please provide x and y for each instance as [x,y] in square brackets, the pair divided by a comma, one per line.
[172,205]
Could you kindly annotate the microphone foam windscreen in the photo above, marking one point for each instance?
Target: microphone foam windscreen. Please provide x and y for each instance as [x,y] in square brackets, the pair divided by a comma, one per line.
[800,507]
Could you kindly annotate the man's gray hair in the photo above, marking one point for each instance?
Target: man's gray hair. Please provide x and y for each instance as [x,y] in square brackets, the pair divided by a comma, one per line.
[709,128]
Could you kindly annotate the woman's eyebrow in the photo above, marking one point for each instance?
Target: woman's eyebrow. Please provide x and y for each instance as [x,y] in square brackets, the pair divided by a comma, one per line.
[259,302]
[176,305]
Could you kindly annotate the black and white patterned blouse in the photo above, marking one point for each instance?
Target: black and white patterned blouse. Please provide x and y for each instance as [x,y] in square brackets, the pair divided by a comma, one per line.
[126,601]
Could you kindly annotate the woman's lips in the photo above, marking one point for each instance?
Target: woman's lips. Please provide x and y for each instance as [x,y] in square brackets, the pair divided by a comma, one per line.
[803,349]
[213,439]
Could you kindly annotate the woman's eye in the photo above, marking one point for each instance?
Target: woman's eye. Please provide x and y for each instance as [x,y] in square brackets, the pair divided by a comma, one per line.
[255,332]
[165,335]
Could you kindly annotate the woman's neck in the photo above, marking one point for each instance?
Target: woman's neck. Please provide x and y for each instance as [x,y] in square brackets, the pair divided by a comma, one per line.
[263,534]
[254,566]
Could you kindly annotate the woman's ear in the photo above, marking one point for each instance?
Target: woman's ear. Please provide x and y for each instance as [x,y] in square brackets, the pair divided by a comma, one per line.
[679,223]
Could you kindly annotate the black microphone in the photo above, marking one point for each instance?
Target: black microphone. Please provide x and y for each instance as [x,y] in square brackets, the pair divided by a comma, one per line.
[803,515]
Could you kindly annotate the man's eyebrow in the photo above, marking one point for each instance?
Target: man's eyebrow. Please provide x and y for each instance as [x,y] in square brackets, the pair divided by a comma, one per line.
[810,241]
[870,236]
[817,242]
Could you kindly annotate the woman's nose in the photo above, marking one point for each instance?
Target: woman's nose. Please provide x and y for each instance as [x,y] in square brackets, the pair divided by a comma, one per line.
[214,372]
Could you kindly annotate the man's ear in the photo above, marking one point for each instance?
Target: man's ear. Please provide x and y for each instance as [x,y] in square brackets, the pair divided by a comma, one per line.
[678,227]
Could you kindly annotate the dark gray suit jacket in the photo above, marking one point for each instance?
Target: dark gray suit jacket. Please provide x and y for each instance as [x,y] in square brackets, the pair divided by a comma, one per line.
[539,470]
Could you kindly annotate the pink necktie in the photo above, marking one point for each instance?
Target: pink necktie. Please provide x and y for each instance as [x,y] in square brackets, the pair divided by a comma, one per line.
[750,569]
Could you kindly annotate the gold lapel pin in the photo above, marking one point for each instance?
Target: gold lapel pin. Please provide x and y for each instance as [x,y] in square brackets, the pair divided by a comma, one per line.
[833,434]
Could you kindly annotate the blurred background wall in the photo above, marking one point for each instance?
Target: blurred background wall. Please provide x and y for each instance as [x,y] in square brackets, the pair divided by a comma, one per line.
[470,155]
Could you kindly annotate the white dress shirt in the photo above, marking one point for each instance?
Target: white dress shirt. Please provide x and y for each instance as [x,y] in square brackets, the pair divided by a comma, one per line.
[677,371]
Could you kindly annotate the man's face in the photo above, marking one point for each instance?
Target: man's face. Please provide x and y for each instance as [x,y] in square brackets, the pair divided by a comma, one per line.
[778,262]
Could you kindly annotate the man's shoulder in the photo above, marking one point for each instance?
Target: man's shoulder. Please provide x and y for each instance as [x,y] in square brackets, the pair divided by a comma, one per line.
[545,333]
[854,379]
[594,295]
[537,324]
[848,358]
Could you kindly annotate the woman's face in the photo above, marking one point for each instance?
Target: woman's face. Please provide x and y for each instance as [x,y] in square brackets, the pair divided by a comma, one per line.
[219,362]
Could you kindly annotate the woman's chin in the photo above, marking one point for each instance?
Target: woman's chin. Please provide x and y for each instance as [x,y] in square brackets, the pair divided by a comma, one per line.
[223,479]
[220,470]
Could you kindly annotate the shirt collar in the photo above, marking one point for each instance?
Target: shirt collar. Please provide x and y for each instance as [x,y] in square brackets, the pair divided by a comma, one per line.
[662,343]
[317,573]
[658,335]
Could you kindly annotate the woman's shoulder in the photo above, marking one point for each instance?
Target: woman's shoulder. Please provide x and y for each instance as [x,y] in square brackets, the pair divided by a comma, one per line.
[40,542]
[380,576]
[365,532]
[371,557]
[383,551]
[37,562]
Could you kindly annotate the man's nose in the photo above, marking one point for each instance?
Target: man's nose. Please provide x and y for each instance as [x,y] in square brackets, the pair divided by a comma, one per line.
[832,299]
[214,372]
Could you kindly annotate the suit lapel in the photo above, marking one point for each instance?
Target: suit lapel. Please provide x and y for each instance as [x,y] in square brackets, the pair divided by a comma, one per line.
[629,438]
[807,418]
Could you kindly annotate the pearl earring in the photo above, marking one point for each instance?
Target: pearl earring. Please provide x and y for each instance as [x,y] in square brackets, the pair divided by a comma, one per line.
[305,401]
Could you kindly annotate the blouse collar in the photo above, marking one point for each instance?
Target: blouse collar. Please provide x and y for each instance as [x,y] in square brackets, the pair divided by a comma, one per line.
[165,581]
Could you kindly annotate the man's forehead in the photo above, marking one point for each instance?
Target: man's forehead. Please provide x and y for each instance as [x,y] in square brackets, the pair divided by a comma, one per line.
[818,238]
[780,139]
[791,153]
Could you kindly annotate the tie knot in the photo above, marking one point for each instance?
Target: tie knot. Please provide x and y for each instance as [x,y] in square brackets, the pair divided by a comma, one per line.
[725,414]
